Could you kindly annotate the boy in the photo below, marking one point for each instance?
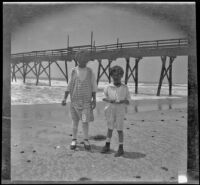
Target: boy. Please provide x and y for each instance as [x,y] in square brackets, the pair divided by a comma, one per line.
[82,88]
[118,97]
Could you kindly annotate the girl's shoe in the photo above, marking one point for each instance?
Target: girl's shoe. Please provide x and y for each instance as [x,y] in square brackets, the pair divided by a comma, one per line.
[87,144]
[73,144]
[106,148]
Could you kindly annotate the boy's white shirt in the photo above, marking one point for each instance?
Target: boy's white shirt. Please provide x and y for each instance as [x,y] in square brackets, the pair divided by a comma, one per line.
[82,73]
[117,93]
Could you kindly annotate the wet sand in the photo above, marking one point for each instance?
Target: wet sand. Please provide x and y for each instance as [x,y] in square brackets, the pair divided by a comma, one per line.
[155,135]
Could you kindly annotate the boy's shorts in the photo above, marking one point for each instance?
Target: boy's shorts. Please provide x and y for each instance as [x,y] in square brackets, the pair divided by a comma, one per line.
[85,115]
[115,116]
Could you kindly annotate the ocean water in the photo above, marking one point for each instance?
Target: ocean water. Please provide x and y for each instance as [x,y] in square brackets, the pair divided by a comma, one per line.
[29,93]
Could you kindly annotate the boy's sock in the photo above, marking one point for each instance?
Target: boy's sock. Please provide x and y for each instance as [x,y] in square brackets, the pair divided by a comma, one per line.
[120,151]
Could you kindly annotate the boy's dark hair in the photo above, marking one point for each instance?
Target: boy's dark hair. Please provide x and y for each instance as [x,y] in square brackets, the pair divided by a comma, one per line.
[116,69]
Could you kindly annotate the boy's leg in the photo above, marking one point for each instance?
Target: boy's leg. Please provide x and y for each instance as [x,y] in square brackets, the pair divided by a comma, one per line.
[121,140]
[106,148]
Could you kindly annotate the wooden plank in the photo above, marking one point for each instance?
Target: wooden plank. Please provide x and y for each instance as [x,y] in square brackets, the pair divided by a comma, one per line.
[31,69]
[61,70]
[109,64]
[49,73]
[66,69]
[98,72]
[127,70]
[136,74]
[170,75]
[38,73]
[104,70]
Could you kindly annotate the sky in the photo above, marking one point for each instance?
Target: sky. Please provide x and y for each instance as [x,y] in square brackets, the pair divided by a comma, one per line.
[108,23]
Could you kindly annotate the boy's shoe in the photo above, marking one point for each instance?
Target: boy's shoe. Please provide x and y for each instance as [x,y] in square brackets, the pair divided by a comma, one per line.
[87,144]
[120,151]
[73,144]
[106,148]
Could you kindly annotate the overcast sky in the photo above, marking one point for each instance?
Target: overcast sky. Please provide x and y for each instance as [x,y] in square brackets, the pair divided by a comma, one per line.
[107,23]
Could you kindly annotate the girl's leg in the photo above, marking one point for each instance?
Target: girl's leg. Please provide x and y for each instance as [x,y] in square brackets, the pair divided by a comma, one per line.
[85,127]
[74,134]
[75,129]
[109,135]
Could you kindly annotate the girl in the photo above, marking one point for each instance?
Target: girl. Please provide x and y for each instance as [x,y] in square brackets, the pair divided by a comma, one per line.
[82,88]
[118,97]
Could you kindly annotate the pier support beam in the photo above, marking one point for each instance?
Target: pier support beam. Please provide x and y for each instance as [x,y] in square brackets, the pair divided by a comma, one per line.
[107,67]
[166,72]
[65,75]
[37,71]
[19,69]
[24,71]
[132,70]
[13,74]
[49,73]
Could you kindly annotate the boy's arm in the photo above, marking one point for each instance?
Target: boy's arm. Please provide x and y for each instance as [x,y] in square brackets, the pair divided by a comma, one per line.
[106,99]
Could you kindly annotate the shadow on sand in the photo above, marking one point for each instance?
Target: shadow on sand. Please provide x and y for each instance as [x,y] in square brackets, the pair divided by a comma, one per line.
[97,149]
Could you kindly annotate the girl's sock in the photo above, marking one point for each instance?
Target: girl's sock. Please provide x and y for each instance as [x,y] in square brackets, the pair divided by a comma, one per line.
[108,140]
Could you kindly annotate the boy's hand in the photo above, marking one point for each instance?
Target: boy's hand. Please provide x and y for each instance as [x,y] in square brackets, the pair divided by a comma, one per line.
[124,101]
[112,101]
[64,102]
[93,104]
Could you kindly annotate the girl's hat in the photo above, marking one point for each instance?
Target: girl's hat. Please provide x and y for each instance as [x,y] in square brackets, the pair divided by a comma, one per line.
[116,69]
[82,55]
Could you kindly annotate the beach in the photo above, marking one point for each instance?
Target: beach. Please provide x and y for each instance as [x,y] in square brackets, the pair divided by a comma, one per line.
[155,144]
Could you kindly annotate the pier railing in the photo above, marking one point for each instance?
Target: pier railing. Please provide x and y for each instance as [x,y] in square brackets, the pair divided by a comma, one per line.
[156,44]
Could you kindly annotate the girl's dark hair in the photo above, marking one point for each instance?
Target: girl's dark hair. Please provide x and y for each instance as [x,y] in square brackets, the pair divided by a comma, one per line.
[116,69]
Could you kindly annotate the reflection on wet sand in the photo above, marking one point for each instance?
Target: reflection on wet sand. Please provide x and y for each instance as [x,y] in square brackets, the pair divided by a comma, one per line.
[150,106]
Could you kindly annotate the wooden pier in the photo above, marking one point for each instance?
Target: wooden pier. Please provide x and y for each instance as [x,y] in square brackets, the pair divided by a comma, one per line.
[169,49]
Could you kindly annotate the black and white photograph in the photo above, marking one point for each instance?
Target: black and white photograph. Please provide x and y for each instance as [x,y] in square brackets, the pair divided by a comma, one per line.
[100,92]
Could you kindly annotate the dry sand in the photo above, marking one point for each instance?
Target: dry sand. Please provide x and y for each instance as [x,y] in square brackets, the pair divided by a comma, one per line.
[155,145]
